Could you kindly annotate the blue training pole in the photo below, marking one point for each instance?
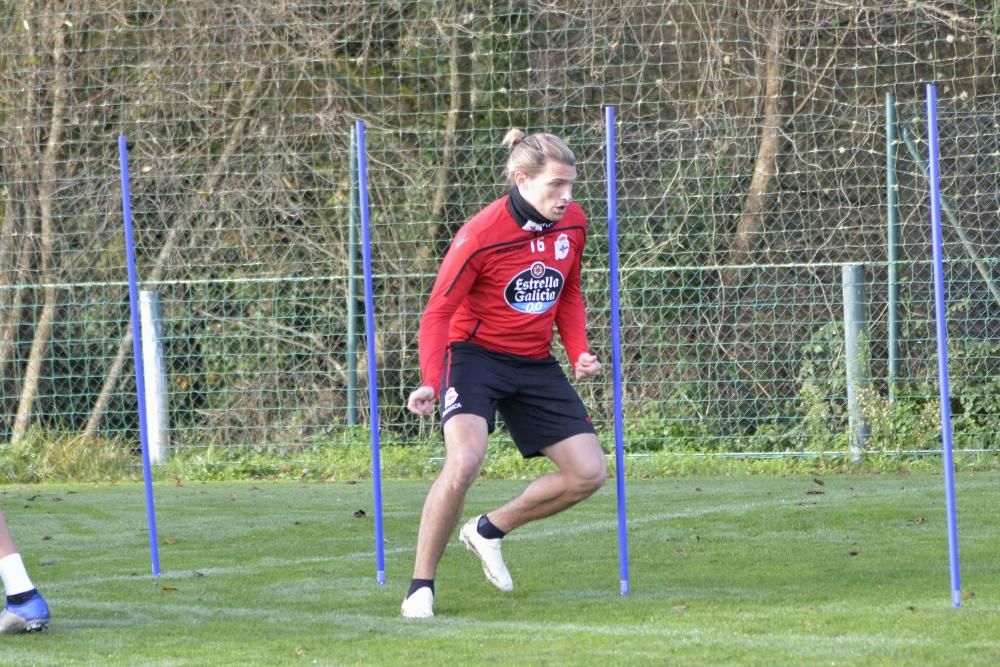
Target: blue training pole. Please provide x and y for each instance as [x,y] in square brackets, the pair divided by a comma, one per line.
[140,386]
[616,347]
[366,258]
[942,344]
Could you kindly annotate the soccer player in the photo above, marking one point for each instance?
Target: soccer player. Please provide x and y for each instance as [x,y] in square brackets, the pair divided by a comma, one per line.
[511,273]
[26,610]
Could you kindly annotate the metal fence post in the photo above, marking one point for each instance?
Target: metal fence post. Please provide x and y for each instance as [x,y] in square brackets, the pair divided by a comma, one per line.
[352,286]
[854,327]
[155,375]
[892,221]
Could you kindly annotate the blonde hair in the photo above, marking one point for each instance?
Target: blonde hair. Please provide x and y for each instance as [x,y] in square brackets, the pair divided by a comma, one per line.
[528,153]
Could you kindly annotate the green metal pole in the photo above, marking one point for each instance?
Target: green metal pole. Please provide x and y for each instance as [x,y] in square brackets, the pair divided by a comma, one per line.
[352,286]
[854,327]
[892,213]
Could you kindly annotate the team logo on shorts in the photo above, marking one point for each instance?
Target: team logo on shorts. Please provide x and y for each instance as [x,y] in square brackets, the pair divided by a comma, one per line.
[450,401]
[534,290]
[562,247]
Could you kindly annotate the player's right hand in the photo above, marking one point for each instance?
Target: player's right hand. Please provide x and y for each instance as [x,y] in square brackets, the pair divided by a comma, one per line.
[421,401]
[586,366]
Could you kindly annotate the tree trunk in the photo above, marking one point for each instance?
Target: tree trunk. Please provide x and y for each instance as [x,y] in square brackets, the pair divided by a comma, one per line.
[20,211]
[170,244]
[751,223]
[14,278]
[46,196]
[459,76]
[736,326]
[458,92]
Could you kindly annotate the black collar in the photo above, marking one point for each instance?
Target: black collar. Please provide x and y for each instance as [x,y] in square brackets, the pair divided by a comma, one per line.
[525,214]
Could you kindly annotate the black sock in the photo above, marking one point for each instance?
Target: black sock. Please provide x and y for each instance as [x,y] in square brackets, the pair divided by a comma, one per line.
[21,598]
[417,584]
[486,528]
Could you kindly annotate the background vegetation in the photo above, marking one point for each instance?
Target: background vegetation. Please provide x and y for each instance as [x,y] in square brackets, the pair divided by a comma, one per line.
[751,167]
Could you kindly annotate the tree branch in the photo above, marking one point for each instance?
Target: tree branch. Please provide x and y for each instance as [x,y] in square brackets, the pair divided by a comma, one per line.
[170,243]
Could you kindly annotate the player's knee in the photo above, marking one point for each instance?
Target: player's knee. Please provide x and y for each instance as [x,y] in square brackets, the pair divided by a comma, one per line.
[462,468]
[591,477]
[597,478]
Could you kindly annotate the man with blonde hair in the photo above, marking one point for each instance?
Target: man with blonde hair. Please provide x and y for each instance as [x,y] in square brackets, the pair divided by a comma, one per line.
[512,272]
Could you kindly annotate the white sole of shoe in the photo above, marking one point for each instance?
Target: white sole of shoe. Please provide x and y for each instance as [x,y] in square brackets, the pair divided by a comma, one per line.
[417,615]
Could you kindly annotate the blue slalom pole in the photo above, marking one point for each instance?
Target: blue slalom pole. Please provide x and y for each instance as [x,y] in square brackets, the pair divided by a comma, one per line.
[616,347]
[942,344]
[140,385]
[366,258]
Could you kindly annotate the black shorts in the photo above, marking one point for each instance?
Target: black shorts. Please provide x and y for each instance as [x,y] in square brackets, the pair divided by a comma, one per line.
[537,402]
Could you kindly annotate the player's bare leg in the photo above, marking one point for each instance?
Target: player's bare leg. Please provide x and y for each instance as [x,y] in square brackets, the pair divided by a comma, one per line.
[582,469]
[465,438]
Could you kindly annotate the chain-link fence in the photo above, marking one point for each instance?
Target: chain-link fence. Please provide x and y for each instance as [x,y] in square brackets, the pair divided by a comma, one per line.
[752,168]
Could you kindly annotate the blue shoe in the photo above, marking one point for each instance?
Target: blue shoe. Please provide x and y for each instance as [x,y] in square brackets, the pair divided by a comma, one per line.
[31,616]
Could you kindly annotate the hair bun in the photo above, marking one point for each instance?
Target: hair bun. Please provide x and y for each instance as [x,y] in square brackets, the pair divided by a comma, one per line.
[513,137]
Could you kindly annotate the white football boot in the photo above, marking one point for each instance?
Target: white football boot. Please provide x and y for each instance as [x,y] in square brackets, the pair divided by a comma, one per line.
[420,604]
[489,555]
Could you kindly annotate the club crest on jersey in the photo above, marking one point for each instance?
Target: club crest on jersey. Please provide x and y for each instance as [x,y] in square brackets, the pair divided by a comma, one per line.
[562,247]
[535,289]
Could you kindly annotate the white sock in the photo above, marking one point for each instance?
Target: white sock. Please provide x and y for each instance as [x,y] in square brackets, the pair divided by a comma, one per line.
[15,577]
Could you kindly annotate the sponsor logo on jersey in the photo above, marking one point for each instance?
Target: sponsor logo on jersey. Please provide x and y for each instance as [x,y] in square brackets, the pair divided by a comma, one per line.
[562,247]
[535,289]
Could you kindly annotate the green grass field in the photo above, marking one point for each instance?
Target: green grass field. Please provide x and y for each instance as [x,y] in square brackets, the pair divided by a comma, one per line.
[724,570]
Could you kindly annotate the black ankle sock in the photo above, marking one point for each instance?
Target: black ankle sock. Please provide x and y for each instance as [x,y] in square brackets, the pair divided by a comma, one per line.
[21,598]
[417,584]
[488,530]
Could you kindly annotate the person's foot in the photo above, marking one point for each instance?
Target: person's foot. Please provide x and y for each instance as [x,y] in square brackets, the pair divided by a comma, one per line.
[489,555]
[30,616]
[420,604]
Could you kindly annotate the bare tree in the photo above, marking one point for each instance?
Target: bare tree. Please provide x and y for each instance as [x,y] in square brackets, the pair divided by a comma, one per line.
[52,27]
[182,224]
[16,240]
[751,222]
[747,134]
[456,35]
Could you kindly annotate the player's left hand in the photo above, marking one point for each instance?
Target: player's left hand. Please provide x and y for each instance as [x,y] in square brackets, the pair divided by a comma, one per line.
[586,366]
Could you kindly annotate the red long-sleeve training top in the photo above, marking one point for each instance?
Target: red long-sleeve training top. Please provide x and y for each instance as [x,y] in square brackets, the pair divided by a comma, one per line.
[503,288]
